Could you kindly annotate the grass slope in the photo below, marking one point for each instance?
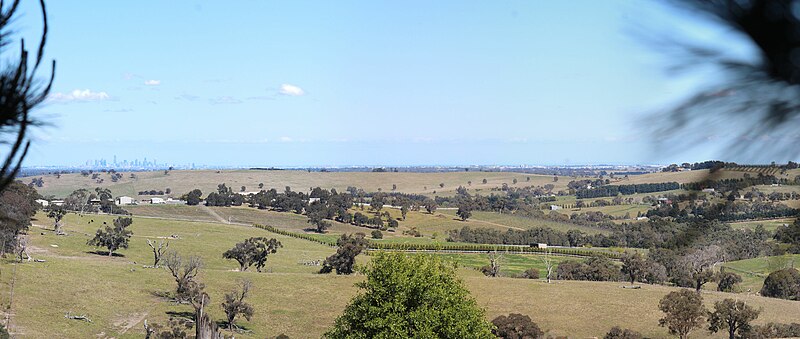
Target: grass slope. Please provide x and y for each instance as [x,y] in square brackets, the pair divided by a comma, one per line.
[118,294]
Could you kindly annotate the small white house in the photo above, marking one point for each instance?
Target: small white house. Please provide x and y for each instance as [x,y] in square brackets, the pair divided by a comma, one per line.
[57,202]
[708,190]
[541,245]
[123,200]
[157,201]
[42,202]
[555,207]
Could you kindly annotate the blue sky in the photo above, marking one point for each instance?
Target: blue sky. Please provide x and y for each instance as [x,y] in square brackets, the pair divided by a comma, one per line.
[331,83]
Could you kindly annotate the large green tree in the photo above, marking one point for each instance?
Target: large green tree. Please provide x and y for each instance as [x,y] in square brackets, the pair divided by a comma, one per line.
[253,251]
[732,315]
[683,310]
[113,238]
[411,296]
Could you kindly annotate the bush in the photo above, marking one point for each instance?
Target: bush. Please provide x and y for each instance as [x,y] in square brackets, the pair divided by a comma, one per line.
[618,333]
[531,273]
[377,234]
[516,326]
[784,284]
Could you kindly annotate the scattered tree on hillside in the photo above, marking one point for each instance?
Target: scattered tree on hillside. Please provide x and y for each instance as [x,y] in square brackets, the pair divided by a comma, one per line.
[57,213]
[516,326]
[484,181]
[17,207]
[441,185]
[412,296]
[404,210]
[549,264]
[158,250]
[618,333]
[77,200]
[732,315]
[701,263]
[20,93]
[464,209]
[430,205]
[726,281]
[184,271]
[234,303]
[253,251]
[345,257]
[514,181]
[113,238]
[683,310]
[634,266]
[377,234]
[261,185]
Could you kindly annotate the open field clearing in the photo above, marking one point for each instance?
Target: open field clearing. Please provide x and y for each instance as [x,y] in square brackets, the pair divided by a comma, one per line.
[616,210]
[489,219]
[181,182]
[770,225]
[754,271]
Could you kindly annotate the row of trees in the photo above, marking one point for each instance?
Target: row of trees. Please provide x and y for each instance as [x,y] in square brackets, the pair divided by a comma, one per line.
[614,190]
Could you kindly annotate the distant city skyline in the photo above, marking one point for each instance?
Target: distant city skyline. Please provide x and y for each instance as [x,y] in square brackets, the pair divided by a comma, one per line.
[294,84]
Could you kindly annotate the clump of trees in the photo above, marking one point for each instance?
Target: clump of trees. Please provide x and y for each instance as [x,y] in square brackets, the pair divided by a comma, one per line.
[413,296]
[344,260]
[253,251]
[733,316]
[17,207]
[113,237]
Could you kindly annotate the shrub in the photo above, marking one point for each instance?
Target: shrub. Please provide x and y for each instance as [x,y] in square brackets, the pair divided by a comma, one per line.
[516,326]
[618,333]
[531,273]
[727,281]
[377,234]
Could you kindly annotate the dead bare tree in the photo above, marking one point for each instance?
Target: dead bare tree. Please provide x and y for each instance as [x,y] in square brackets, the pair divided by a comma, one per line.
[548,264]
[158,250]
[22,249]
[184,271]
[235,305]
[20,93]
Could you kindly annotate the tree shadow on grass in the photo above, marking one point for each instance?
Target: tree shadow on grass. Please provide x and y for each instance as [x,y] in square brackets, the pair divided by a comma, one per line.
[181,315]
[223,326]
[105,253]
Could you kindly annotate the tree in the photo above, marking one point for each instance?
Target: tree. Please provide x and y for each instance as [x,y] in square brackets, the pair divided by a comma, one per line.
[683,310]
[57,213]
[516,326]
[77,200]
[549,264]
[193,197]
[404,210]
[377,234]
[634,266]
[701,262]
[411,296]
[234,303]
[345,257]
[732,315]
[17,206]
[184,271]
[726,281]
[20,93]
[493,269]
[484,181]
[618,333]
[113,238]
[784,284]
[441,185]
[252,251]
[464,209]
[430,205]
[158,250]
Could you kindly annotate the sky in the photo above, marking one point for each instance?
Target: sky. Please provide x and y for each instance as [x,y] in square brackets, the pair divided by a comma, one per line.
[338,83]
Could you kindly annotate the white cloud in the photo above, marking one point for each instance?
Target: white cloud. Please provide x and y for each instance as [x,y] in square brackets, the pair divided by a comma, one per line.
[285,139]
[292,90]
[152,82]
[80,95]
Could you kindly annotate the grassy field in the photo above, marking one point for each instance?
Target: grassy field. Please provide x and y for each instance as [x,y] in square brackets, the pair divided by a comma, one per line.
[770,225]
[181,182]
[117,293]
[754,271]
[489,219]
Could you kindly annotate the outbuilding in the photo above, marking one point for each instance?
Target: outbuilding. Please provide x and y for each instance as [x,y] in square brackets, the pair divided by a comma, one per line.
[124,200]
